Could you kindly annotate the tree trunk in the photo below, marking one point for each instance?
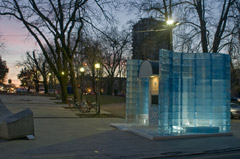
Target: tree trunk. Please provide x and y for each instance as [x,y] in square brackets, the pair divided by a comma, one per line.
[93,85]
[120,84]
[37,86]
[63,84]
[200,7]
[110,86]
[74,83]
[93,81]
[204,38]
[45,84]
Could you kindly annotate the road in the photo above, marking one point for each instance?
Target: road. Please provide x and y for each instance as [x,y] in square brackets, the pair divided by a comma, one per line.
[219,155]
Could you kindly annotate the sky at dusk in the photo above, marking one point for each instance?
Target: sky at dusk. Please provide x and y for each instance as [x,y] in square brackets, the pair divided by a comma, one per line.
[17,42]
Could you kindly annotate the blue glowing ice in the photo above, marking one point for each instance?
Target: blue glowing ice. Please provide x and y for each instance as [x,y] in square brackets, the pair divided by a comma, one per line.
[192,94]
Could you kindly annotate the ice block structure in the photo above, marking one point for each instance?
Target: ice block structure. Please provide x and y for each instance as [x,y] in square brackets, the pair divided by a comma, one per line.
[132,90]
[194,92]
[181,94]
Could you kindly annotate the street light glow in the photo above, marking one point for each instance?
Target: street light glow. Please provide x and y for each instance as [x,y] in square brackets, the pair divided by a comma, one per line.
[170,22]
[97,65]
[62,73]
[82,69]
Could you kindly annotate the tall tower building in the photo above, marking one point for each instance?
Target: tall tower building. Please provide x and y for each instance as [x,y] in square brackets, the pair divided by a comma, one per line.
[149,36]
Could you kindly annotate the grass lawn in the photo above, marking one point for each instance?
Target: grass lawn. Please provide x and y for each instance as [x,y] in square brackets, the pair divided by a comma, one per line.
[97,116]
[113,104]
[105,99]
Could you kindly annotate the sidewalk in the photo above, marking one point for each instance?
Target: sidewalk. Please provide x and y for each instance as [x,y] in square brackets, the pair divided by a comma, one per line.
[41,106]
[73,137]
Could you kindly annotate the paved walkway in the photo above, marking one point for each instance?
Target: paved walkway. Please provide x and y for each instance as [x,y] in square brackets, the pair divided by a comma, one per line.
[62,135]
[41,106]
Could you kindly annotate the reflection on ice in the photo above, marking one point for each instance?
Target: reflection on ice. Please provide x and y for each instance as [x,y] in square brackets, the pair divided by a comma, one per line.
[181,94]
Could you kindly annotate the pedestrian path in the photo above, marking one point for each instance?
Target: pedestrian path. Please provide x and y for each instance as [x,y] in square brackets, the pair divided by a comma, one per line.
[41,106]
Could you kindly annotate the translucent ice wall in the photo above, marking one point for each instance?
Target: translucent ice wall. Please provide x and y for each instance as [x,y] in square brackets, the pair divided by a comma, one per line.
[143,106]
[132,90]
[194,92]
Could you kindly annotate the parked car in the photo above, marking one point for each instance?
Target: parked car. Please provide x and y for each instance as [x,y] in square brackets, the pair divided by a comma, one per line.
[235,110]
[21,90]
[41,91]
[51,91]
[121,94]
[235,99]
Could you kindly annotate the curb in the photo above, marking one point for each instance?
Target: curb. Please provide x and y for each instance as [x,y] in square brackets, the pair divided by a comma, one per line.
[180,154]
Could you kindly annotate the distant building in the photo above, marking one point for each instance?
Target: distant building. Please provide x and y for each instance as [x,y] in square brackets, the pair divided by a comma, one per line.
[119,86]
[149,36]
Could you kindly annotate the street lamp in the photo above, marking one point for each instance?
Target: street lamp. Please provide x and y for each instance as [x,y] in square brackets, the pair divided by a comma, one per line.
[97,67]
[82,70]
[49,81]
[171,24]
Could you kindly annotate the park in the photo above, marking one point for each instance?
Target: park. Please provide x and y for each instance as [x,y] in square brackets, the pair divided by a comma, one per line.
[60,133]
[119,79]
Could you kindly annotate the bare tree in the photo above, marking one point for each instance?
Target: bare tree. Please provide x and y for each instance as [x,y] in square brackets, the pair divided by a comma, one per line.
[116,44]
[205,26]
[201,28]
[122,73]
[29,75]
[54,24]
[92,52]
[26,77]
[40,63]
[3,70]
[234,50]
[201,9]
[159,9]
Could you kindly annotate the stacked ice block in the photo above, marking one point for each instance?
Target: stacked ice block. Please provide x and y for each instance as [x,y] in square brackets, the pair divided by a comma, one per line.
[143,106]
[132,90]
[194,92]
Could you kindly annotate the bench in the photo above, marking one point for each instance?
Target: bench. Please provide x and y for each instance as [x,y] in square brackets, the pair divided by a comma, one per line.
[15,126]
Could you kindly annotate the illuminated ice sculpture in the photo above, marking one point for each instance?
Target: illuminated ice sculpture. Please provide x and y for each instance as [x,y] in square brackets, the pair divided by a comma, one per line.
[180,94]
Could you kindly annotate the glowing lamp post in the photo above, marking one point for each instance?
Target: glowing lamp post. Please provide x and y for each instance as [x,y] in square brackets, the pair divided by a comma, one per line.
[171,24]
[49,80]
[97,67]
[82,70]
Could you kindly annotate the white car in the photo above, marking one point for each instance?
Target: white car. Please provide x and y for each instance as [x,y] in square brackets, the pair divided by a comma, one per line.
[41,91]
[235,110]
